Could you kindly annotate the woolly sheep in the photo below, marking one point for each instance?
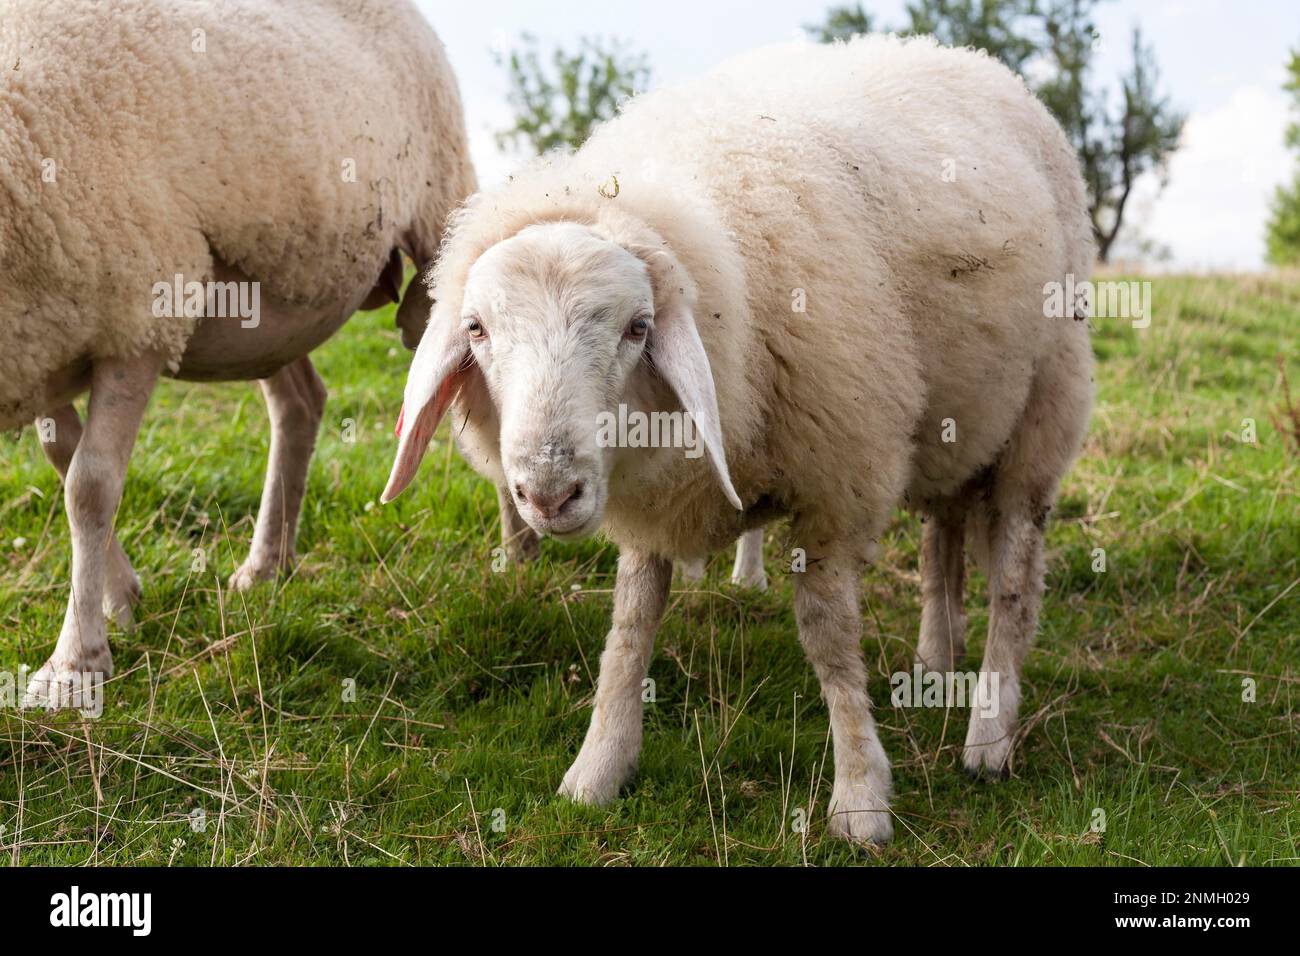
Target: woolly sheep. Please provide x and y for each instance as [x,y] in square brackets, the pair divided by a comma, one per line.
[832,258]
[295,148]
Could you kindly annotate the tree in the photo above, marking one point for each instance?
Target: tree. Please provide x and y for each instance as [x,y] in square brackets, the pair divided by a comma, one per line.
[1052,43]
[559,105]
[842,23]
[1115,148]
[992,25]
[1283,229]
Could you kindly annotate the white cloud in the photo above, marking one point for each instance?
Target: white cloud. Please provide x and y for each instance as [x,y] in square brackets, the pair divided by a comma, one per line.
[1212,213]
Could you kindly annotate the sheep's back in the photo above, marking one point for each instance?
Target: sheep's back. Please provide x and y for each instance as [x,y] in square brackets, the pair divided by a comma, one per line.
[898,208]
[173,146]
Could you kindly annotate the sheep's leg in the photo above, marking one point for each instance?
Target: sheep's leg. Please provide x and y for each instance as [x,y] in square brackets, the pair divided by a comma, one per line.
[692,571]
[1024,489]
[121,585]
[295,403]
[520,541]
[1015,592]
[119,392]
[830,627]
[609,753]
[748,571]
[943,584]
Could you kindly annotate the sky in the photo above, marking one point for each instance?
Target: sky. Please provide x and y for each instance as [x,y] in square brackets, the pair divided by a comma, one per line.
[1222,62]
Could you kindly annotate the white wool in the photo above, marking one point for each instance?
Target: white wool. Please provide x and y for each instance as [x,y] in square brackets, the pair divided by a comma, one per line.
[912,199]
[180,135]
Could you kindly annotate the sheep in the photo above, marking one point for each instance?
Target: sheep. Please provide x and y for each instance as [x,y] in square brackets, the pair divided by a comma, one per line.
[282,156]
[833,260]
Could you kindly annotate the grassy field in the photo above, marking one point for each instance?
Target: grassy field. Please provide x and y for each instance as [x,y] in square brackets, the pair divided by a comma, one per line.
[472,687]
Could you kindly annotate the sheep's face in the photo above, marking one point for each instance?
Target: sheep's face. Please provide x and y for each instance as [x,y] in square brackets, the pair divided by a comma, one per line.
[563,324]
[557,321]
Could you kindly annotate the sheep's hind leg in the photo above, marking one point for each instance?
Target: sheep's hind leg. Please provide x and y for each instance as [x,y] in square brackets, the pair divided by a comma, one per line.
[830,628]
[295,403]
[613,743]
[119,392]
[1025,483]
[692,571]
[943,583]
[748,571]
[59,434]
[1015,591]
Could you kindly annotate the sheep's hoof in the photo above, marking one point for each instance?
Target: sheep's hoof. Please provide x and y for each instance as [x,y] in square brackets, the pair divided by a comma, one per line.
[252,573]
[857,814]
[987,755]
[755,580]
[76,686]
[984,774]
[592,782]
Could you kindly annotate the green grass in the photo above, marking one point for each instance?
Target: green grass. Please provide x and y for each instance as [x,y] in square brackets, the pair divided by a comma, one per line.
[473,687]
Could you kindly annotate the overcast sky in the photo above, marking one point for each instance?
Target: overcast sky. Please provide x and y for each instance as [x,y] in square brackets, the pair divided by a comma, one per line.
[1222,62]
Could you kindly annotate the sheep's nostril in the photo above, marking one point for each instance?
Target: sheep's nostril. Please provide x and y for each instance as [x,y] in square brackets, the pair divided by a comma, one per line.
[548,506]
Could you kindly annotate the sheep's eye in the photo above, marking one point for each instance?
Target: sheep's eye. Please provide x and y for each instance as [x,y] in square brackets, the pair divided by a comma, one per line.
[639,327]
[475,328]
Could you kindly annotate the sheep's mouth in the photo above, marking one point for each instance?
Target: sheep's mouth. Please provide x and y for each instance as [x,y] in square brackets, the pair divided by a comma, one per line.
[577,533]
[579,517]
[568,525]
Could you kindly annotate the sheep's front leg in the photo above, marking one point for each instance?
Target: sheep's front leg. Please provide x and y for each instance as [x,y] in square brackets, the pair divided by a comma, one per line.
[830,628]
[119,392]
[609,753]
[520,541]
[59,437]
[295,402]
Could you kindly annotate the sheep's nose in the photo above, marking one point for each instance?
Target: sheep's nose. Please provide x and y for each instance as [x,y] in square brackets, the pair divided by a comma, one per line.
[548,505]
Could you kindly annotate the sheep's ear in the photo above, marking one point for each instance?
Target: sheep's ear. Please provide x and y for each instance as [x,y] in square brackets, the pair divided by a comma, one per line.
[441,363]
[681,361]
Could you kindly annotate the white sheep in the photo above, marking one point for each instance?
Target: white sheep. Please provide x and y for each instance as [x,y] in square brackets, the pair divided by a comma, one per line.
[151,148]
[834,259]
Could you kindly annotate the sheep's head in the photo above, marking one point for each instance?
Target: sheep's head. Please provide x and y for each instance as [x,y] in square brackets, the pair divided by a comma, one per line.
[568,329]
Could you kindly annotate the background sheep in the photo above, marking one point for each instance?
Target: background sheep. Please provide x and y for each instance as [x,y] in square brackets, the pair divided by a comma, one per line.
[791,177]
[296,149]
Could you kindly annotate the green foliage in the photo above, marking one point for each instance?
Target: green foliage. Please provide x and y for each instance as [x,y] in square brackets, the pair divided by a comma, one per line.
[1053,43]
[842,23]
[992,25]
[1115,147]
[1283,228]
[559,104]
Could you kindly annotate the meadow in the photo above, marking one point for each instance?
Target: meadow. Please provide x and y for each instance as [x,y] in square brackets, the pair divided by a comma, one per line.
[405,698]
